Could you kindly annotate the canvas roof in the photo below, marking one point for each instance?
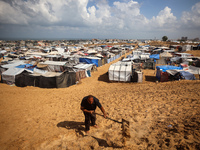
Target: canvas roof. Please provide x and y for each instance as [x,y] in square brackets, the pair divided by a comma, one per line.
[13,64]
[165,54]
[84,66]
[58,63]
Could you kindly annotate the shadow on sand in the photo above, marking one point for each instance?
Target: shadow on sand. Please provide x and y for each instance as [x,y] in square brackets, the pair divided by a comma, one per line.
[150,78]
[77,126]
[79,129]
[104,78]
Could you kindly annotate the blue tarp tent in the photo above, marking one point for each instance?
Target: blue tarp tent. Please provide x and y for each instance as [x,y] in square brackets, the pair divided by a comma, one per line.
[89,61]
[168,67]
[187,75]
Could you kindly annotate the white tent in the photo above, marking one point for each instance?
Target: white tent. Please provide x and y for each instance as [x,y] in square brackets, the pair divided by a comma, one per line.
[120,71]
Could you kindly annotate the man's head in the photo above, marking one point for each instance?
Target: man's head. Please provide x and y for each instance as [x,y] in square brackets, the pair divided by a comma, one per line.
[90,99]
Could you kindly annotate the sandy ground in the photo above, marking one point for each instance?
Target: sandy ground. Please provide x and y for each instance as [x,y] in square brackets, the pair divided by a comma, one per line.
[162,115]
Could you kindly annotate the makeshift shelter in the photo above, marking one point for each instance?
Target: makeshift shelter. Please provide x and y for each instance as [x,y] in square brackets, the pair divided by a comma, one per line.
[47,80]
[161,73]
[86,67]
[120,71]
[10,74]
[164,58]
[180,74]
[54,66]
[155,57]
[91,60]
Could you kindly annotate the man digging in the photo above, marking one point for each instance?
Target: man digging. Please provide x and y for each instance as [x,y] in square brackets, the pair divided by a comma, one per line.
[88,106]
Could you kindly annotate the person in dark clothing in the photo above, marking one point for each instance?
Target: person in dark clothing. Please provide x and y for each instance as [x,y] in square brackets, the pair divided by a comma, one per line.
[88,106]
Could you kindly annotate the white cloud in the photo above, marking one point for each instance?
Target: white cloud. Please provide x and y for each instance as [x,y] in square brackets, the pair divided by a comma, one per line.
[11,15]
[165,19]
[192,18]
[120,18]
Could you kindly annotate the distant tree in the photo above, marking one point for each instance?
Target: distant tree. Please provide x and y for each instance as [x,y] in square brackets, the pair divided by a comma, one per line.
[164,38]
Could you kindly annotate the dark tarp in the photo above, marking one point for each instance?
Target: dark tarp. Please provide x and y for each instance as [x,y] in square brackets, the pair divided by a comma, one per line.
[25,79]
[66,79]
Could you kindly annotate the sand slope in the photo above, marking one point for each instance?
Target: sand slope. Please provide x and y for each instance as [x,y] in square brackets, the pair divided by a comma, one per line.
[162,115]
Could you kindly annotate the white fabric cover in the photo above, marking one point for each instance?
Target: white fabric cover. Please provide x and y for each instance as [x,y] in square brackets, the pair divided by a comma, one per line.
[140,76]
[84,66]
[39,71]
[120,71]
[14,64]
[57,63]
[192,69]
[9,75]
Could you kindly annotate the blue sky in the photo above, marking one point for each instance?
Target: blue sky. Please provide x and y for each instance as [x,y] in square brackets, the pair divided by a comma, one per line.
[122,19]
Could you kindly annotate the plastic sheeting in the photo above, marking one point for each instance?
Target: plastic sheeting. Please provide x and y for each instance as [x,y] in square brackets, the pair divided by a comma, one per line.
[187,75]
[84,66]
[113,58]
[13,64]
[155,56]
[89,61]
[9,75]
[120,71]
[192,69]
[56,63]
[168,67]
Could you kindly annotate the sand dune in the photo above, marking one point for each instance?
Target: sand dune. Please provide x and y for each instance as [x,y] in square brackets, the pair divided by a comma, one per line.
[161,115]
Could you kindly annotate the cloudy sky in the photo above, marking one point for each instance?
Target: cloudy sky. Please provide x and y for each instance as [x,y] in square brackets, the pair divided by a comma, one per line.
[120,19]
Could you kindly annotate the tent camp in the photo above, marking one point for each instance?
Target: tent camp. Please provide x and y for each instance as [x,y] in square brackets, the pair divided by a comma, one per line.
[120,71]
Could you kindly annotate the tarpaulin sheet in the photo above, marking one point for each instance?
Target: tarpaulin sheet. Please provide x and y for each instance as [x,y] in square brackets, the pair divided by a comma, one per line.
[187,75]
[9,75]
[155,56]
[27,66]
[89,61]
[192,69]
[13,64]
[168,67]
[84,66]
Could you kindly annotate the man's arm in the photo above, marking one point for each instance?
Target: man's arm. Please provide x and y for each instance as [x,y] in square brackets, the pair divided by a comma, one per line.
[85,110]
[103,111]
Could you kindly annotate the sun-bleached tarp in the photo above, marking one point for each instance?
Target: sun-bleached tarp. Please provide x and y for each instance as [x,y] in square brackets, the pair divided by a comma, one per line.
[56,63]
[14,64]
[9,75]
[84,66]
[192,69]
